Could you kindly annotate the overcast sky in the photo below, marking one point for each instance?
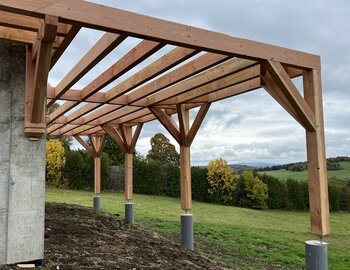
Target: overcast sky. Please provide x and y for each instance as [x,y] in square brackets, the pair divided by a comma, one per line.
[250,127]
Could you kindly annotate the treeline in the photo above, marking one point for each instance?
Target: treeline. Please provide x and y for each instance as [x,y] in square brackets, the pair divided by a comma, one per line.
[156,178]
[294,195]
[216,183]
[332,165]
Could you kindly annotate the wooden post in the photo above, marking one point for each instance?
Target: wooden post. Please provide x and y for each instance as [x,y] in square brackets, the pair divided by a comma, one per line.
[185,158]
[124,137]
[97,176]
[185,174]
[316,155]
[128,177]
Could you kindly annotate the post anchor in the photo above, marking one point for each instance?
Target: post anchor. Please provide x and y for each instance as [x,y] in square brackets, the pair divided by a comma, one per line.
[129,212]
[187,239]
[316,253]
[97,203]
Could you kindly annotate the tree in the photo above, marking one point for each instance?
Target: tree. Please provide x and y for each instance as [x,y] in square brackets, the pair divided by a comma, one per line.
[163,150]
[221,180]
[73,169]
[66,140]
[115,153]
[256,190]
[55,160]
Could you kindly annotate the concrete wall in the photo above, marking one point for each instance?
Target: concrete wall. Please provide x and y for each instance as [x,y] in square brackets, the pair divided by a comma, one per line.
[22,167]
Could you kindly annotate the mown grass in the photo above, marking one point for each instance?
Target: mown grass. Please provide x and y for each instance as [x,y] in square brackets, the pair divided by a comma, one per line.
[241,238]
[302,176]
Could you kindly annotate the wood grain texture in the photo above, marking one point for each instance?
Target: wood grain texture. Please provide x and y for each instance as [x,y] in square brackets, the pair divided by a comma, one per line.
[118,21]
[316,155]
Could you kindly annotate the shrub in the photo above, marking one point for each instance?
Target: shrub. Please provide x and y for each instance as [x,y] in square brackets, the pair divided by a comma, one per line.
[277,192]
[298,194]
[256,190]
[221,180]
[55,160]
[200,185]
[73,169]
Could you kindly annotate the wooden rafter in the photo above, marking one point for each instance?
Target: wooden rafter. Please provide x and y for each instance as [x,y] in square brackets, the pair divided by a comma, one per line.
[71,33]
[196,66]
[216,78]
[164,63]
[103,47]
[123,65]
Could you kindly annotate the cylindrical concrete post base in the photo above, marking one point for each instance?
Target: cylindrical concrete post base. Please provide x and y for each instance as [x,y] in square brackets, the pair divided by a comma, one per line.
[187,231]
[129,212]
[97,203]
[316,253]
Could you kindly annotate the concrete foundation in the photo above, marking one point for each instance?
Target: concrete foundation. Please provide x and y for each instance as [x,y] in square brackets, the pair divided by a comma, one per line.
[97,203]
[22,167]
[316,254]
[187,231]
[129,212]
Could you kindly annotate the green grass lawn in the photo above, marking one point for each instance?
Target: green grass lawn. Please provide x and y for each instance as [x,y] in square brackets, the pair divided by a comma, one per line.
[241,238]
[285,174]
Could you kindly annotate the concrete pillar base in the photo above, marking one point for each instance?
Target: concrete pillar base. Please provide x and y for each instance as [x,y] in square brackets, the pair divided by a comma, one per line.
[316,254]
[97,203]
[187,231]
[129,212]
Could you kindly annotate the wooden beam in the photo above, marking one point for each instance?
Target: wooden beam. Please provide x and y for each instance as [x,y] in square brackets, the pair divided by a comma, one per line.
[196,66]
[316,155]
[135,137]
[123,65]
[85,145]
[97,175]
[28,23]
[197,122]
[17,35]
[46,37]
[102,140]
[184,123]
[115,135]
[169,97]
[210,75]
[228,92]
[115,20]
[72,32]
[134,57]
[185,176]
[168,122]
[128,176]
[103,47]
[273,89]
[282,79]
[164,63]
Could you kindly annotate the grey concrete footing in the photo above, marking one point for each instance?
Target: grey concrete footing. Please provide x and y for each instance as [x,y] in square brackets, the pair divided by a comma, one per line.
[187,231]
[97,203]
[129,212]
[316,253]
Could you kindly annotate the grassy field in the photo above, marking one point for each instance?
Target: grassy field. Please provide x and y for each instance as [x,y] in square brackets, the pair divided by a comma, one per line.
[285,174]
[241,238]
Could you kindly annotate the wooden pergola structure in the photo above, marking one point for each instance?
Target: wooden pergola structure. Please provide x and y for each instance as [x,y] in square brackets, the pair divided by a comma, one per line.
[204,67]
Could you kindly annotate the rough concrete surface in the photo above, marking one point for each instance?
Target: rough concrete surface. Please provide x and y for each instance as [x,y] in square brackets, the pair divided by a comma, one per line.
[22,167]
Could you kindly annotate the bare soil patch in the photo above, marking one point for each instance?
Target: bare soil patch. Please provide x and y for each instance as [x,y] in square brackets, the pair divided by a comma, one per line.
[80,238]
